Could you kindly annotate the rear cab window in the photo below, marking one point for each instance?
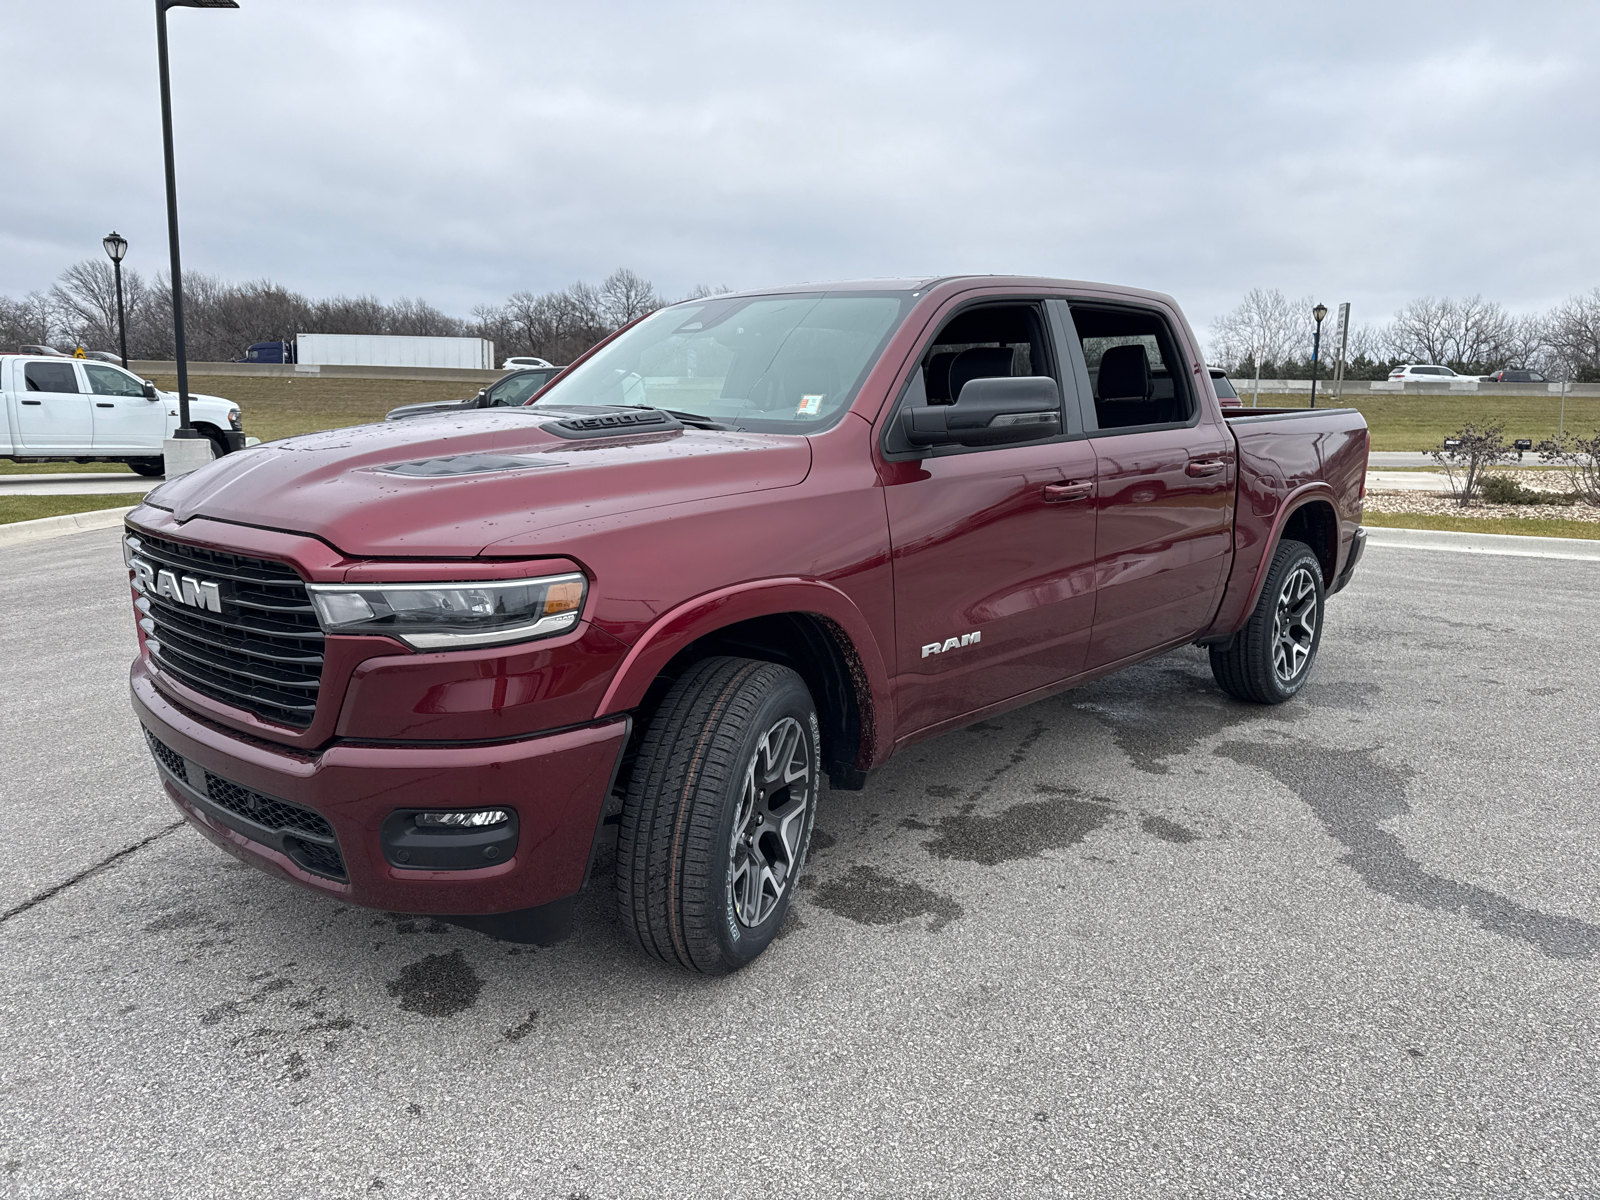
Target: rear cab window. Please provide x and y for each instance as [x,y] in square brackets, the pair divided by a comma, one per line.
[1137,373]
[50,377]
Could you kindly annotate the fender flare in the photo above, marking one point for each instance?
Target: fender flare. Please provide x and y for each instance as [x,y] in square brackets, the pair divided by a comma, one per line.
[1293,503]
[707,613]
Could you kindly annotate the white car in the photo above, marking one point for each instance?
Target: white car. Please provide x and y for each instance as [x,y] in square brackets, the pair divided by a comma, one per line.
[512,364]
[85,411]
[1425,374]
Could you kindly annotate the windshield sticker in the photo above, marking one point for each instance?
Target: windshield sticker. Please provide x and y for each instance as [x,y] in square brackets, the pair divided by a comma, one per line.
[810,406]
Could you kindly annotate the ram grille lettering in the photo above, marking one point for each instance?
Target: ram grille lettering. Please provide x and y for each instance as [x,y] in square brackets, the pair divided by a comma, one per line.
[953,643]
[186,590]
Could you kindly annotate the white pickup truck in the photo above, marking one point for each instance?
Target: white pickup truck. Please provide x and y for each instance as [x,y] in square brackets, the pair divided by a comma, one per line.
[67,408]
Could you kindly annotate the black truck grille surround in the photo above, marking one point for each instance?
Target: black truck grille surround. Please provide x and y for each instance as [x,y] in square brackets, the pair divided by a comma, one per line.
[320,855]
[263,652]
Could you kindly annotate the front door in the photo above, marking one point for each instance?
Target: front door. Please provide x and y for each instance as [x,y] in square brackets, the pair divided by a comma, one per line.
[124,421]
[54,416]
[993,548]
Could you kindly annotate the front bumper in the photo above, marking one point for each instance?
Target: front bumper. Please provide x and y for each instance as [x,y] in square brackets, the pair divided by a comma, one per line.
[555,783]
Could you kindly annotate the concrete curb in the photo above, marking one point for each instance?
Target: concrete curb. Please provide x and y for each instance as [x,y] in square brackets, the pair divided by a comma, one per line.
[1514,545]
[15,533]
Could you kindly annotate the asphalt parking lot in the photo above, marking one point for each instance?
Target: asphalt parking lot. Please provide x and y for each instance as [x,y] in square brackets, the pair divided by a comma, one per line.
[1138,940]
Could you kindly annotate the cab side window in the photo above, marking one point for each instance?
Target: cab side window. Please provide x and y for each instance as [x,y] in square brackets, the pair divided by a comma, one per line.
[994,340]
[517,390]
[50,377]
[108,381]
[1136,371]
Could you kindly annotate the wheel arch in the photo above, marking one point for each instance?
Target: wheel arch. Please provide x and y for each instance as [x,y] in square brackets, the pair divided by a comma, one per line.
[807,625]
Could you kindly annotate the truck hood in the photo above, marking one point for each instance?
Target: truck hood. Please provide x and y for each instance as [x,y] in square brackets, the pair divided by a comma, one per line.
[451,485]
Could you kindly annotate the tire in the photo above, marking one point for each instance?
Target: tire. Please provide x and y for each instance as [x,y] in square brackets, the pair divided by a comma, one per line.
[1269,660]
[148,467]
[219,443]
[718,813]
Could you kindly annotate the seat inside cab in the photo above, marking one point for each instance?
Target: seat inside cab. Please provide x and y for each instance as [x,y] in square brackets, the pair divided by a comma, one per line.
[988,342]
[1128,355]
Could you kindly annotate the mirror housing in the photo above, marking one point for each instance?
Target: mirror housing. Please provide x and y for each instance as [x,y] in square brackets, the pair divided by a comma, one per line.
[482,399]
[150,392]
[989,412]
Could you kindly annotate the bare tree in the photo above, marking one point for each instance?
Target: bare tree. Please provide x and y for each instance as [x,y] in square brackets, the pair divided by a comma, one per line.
[625,297]
[1572,332]
[1580,458]
[1471,335]
[1266,328]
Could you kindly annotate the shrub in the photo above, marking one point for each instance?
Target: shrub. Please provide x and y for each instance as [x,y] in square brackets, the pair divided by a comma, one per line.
[1503,489]
[1467,461]
[1580,459]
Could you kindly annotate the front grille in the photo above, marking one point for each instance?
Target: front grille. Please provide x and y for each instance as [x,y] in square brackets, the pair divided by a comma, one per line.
[320,855]
[263,652]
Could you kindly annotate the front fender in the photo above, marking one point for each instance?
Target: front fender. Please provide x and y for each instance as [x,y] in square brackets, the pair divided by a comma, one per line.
[682,626]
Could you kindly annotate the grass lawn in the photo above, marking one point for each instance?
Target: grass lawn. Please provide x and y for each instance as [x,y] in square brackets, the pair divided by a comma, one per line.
[276,408]
[1522,526]
[11,468]
[26,508]
[1400,422]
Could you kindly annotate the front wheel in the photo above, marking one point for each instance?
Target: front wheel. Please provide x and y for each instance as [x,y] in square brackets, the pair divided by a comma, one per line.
[148,467]
[1270,659]
[718,814]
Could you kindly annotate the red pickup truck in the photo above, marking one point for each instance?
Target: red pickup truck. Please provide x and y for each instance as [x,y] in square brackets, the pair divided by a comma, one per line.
[750,542]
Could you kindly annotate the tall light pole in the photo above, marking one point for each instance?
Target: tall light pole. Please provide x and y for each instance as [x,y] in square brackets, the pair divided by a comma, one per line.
[1319,312]
[184,430]
[116,246]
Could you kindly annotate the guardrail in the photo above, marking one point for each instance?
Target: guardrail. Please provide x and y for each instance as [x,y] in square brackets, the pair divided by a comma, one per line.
[144,367]
[1366,387]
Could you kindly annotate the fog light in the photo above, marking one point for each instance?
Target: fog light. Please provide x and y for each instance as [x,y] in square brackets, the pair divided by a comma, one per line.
[482,819]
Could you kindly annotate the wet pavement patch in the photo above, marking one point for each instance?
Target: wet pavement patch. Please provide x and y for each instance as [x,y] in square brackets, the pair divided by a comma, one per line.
[1024,830]
[1189,711]
[1168,831]
[440,985]
[521,1030]
[869,897]
[1352,794]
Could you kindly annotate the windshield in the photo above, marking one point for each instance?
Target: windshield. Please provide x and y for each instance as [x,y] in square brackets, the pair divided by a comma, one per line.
[779,363]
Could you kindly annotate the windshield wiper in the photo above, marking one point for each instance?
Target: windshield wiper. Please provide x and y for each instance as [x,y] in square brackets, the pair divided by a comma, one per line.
[688,418]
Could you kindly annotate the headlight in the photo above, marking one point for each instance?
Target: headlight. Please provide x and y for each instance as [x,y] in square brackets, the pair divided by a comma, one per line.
[235,419]
[452,616]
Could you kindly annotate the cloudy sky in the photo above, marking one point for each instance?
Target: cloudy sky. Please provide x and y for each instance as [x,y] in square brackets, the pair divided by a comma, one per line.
[460,151]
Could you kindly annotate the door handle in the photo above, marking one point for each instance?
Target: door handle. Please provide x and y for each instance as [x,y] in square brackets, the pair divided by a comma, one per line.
[1060,493]
[1208,466]
[35,403]
[98,404]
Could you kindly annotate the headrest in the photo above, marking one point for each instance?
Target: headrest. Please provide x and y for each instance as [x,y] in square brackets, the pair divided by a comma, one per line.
[1125,373]
[937,377]
[981,362]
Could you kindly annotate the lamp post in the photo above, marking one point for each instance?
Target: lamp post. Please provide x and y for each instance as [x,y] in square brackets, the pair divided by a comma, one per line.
[1319,312]
[184,430]
[116,246]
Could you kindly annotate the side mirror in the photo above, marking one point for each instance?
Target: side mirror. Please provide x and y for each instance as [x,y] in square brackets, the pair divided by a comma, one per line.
[149,391]
[483,398]
[989,412]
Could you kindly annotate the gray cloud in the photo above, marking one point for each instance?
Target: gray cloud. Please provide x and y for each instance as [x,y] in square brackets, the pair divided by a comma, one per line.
[1369,152]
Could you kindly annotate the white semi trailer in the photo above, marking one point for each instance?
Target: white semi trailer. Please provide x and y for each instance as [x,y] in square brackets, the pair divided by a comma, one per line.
[372,350]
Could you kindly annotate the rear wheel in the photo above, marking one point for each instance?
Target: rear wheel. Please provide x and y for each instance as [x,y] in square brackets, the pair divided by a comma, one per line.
[1270,659]
[148,467]
[718,814]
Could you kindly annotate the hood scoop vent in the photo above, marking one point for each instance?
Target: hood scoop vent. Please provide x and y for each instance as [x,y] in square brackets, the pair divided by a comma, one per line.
[467,464]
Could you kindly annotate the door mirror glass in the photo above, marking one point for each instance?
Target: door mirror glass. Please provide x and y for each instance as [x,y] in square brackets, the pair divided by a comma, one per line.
[150,392]
[989,412]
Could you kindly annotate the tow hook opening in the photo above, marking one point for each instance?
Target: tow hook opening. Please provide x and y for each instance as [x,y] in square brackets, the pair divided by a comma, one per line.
[436,839]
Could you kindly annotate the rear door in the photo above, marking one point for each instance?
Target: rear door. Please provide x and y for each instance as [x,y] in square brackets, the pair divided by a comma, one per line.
[993,548]
[1165,468]
[124,421]
[54,415]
